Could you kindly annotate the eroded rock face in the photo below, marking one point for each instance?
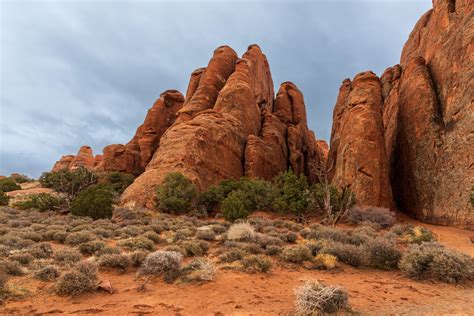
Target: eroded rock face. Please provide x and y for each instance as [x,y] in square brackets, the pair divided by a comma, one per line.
[358,158]
[434,148]
[84,158]
[229,128]
[63,163]
[137,153]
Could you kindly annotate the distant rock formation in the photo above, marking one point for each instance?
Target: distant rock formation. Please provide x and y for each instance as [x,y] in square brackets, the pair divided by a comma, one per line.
[229,127]
[84,158]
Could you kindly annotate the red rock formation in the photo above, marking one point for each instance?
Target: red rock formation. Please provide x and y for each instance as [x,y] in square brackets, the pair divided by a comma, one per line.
[227,129]
[84,158]
[358,158]
[135,155]
[434,152]
[63,163]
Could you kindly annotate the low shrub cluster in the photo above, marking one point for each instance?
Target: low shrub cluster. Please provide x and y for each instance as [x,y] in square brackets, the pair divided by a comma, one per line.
[176,194]
[7,185]
[83,278]
[432,261]
[256,263]
[95,202]
[380,216]
[42,202]
[4,198]
[163,263]
[199,269]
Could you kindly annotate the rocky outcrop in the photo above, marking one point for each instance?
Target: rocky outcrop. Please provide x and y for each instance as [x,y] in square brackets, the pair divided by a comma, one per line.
[63,163]
[229,127]
[358,158]
[137,153]
[84,158]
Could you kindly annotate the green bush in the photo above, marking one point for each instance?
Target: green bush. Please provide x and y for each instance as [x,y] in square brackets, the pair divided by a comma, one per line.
[95,201]
[4,199]
[176,195]
[42,202]
[291,193]
[118,181]
[70,183]
[234,208]
[7,185]
[211,198]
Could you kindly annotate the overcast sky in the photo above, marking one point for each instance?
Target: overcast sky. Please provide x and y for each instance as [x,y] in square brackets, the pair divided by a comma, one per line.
[85,72]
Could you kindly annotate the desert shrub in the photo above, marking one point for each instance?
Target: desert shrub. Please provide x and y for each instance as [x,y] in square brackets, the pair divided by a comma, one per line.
[350,254]
[11,267]
[331,233]
[21,178]
[291,193]
[256,263]
[431,260]
[165,263]
[137,257]
[176,248]
[233,208]
[95,201]
[273,250]
[241,232]
[154,237]
[48,273]
[83,278]
[91,247]
[107,251]
[317,298]
[381,216]
[199,269]
[3,282]
[232,255]
[42,202]
[206,234]
[22,258]
[176,194]
[471,197]
[265,240]
[4,199]
[67,256]
[77,238]
[196,247]
[115,261]
[400,229]
[182,234]
[70,183]
[211,198]
[5,251]
[118,181]
[324,261]
[31,235]
[419,235]
[60,236]
[291,237]
[14,241]
[137,243]
[296,254]
[254,193]
[315,246]
[383,254]
[7,185]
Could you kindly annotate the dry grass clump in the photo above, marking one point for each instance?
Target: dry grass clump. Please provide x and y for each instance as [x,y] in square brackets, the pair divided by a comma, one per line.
[241,232]
[48,273]
[199,269]
[67,256]
[116,261]
[41,251]
[77,238]
[324,261]
[432,261]
[234,254]
[382,254]
[273,250]
[317,298]
[11,267]
[137,257]
[206,234]
[151,235]
[22,258]
[83,278]
[91,247]
[296,254]
[419,235]
[256,263]
[137,243]
[164,263]
[195,247]
[378,215]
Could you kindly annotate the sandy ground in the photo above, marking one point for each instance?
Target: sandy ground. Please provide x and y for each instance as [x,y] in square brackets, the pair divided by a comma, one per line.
[372,292]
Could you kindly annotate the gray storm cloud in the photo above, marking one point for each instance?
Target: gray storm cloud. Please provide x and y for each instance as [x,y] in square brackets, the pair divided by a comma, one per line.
[75,73]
